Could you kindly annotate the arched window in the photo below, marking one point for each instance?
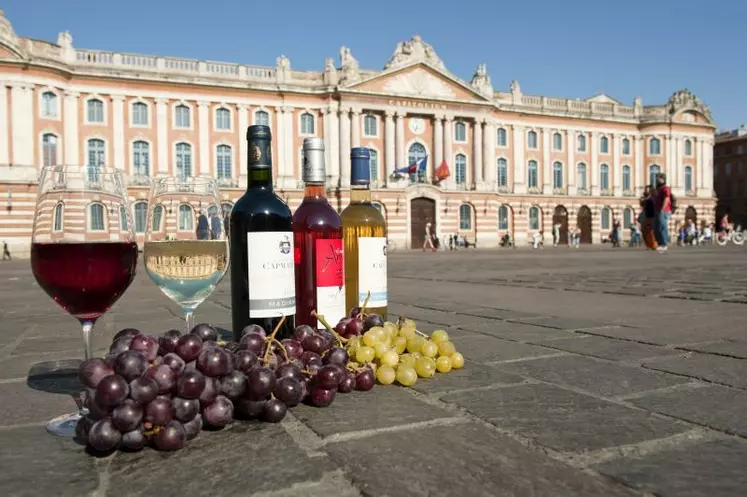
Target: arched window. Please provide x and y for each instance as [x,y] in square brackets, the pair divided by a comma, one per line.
[532,139]
[626,179]
[95,111]
[96,217]
[182,116]
[534,218]
[606,214]
[557,175]
[186,218]
[688,147]
[460,132]
[49,150]
[502,172]
[141,216]
[123,226]
[581,143]
[625,146]
[223,161]
[226,207]
[415,154]
[604,145]
[307,124]
[557,141]
[96,158]
[654,146]
[604,177]
[222,118]
[262,118]
[581,176]
[502,137]
[503,217]
[49,104]
[141,158]
[688,179]
[139,114]
[59,212]
[653,170]
[184,160]
[374,164]
[533,178]
[156,218]
[627,218]
[369,126]
[461,169]
[465,217]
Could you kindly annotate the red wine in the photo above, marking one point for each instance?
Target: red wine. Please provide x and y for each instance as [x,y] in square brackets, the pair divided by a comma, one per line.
[84,278]
[317,240]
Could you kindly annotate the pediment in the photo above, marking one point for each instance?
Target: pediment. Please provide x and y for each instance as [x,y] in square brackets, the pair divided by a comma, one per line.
[603,98]
[9,52]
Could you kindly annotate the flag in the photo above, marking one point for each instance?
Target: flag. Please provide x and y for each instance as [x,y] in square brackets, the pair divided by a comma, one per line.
[442,172]
[417,167]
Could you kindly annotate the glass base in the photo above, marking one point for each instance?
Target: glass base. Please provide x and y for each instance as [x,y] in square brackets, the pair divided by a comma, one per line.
[64,426]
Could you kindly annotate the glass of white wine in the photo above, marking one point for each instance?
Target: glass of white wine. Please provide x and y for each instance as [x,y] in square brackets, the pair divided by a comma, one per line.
[186,247]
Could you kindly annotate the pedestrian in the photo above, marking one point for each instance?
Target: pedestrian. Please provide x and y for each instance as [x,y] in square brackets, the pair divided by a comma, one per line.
[428,242]
[646,218]
[555,234]
[215,226]
[203,227]
[663,204]
[451,242]
[6,252]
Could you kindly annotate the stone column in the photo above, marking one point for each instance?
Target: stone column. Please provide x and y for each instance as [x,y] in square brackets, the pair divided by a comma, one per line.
[389,143]
[488,157]
[241,168]
[333,142]
[546,167]
[4,156]
[118,138]
[570,166]
[22,118]
[203,133]
[355,126]
[669,150]
[401,160]
[641,177]
[438,142]
[292,156]
[162,135]
[279,138]
[616,168]
[477,177]
[519,164]
[344,147]
[448,135]
[698,166]
[593,169]
[70,129]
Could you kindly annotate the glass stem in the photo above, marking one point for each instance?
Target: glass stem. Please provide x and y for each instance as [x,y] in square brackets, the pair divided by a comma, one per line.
[88,347]
[189,317]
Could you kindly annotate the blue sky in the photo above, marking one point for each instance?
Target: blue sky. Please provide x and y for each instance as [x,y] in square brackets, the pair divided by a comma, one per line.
[572,48]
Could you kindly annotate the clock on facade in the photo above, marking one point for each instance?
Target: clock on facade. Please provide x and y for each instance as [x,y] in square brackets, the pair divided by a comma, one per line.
[417,125]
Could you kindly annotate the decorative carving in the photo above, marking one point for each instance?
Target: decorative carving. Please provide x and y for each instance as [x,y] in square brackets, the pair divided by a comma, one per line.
[419,83]
[481,81]
[282,68]
[65,39]
[330,72]
[515,90]
[414,50]
[282,62]
[350,70]
[685,99]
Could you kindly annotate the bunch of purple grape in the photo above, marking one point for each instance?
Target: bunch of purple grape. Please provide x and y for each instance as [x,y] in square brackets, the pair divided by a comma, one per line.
[357,322]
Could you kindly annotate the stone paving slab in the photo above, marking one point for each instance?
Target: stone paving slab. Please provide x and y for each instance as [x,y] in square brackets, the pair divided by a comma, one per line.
[473,375]
[607,348]
[519,332]
[481,348]
[732,348]
[718,369]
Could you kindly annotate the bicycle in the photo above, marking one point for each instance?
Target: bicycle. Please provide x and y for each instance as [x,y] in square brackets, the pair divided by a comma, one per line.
[736,237]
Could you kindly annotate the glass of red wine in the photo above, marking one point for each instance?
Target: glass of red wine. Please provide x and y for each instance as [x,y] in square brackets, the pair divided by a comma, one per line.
[83,249]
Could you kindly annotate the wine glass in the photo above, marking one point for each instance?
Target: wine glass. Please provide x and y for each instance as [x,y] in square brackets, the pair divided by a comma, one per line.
[83,250]
[186,247]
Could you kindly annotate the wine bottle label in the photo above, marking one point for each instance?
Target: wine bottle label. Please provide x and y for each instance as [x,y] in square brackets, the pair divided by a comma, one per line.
[372,271]
[272,277]
[330,281]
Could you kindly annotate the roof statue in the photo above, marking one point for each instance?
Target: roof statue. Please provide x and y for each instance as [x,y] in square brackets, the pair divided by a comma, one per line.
[685,99]
[350,70]
[414,50]
[481,81]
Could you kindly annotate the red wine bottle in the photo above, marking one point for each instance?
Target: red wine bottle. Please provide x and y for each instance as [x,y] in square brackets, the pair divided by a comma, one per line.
[263,287]
[317,240]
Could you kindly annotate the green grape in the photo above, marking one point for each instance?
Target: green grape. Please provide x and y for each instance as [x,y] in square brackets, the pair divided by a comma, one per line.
[414,344]
[407,360]
[416,355]
[429,349]
[408,333]
[365,354]
[446,348]
[457,360]
[439,336]
[391,329]
[385,375]
[389,358]
[443,364]
[408,323]
[406,376]
[425,367]
[380,349]
[369,338]
[400,344]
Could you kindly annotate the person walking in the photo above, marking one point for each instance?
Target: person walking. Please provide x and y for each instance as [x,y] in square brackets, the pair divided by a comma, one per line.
[646,218]
[663,204]
[428,242]
[6,252]
[203,227]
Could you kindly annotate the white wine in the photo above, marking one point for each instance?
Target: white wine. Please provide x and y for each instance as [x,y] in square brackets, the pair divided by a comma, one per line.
[187,271]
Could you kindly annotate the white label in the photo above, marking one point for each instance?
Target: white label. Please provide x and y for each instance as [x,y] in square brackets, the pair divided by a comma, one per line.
[272,277]
[372,271]
[330,302]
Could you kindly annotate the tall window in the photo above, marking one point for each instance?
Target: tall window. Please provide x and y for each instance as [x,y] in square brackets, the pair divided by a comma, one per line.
[139,114]
[415,154]
[182,116]
[59,211]
[155,221]
[49,150]
[369,126]
[96,217]
[465,217]
[581,143]
[374,164]
[502,137]
[557,141]
[503,217]
[533,176]
[654,146]
[186,218]
[688,179]
[627,218]
[222,118]
[184,160]
[223,161]
[688,147]
[606,218]
[604,177]
[581,176]
[557,175]
[534,218]
[626,179]
[604,145]
[307,124]
[532,139]
[502,172]
[123,226]
[95,111]
[141,158]
[141,216]
[49,104]
[626,146]
[96,158]
[461,169]
[262,118]
[652,172]
[460,132]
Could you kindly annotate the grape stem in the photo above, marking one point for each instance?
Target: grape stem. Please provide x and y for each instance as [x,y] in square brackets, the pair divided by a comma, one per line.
[340,340]
[362,314]
[421,334]
[282,347]
[266,358]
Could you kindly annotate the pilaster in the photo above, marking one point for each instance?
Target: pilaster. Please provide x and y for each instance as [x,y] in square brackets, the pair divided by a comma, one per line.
[162,135]
[118,138]
[4,155]
[203,124]
[70,128]
[22,119]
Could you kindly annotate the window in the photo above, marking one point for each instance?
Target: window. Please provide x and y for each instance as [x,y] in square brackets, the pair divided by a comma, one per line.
[141,215]
[262,118]
[581,143]
[307,124]
[465,217]
[502,137]
[223,161]
[461,169]
[626,179]
[155,221]
[533,179]
[184,160]
[606,218]
[369,126]
[557,175]
[96,158]
[503,217]
[604,177]
[534,218]
[460,132]
[532,139]
[654,146]
[557,141]
[626,146]
[652,172]
[374,164]
[604,145]
[688,179]
[688,147]
[59,211]
[49,104]
[627,218]
[139,114]
[581,176]
[49,150]
[222,119]
[186,218]
[96,217]
[226,207]
[95,111]
[123,223]
[182,118]
[502,172]
[141,158]
[415,154]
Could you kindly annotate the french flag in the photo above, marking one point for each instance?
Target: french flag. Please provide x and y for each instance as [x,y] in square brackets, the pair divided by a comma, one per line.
[419,166]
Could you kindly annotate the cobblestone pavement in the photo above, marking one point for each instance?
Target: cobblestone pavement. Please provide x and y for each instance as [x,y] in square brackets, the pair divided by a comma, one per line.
[591,372]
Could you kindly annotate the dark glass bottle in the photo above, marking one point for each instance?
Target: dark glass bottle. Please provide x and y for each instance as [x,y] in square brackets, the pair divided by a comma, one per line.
[262,270]
[317,239]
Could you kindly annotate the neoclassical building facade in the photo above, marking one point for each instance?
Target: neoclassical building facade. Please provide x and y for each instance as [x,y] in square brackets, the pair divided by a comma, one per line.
[517,163]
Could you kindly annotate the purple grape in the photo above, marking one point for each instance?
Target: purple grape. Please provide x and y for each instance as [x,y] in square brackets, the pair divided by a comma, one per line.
[313,343]
[364,380]
[308,356]
[157,361]
[143,390]
[371,321]
[134,440]
[127,416]
[336,355]
[274,411]
[205,331]
[347,384]
[248,409]
[103,436]
[210,392]
[159,412]
[327,340]
[120,345]
[171,437]
[233,384]
[185,410]
[175,362]
[293,348]
[354,328]
[289,391]
[95,410]
[130,365]
[164,376]
[354,311]
[192,428]
[210,344]
[322,397]
[260,383]
[219,413]
[253,328]
[190,366]
[254,342]
[313,367]
[304,389]
[303,331]
[146,344]
[214,362]
[167,341]
[245,360]
[328,377]
[190,384]
[125,332]
[289,371]
[340,326]
[92,371]
[111,391]
[340,369]
[82,427]
[188,347]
